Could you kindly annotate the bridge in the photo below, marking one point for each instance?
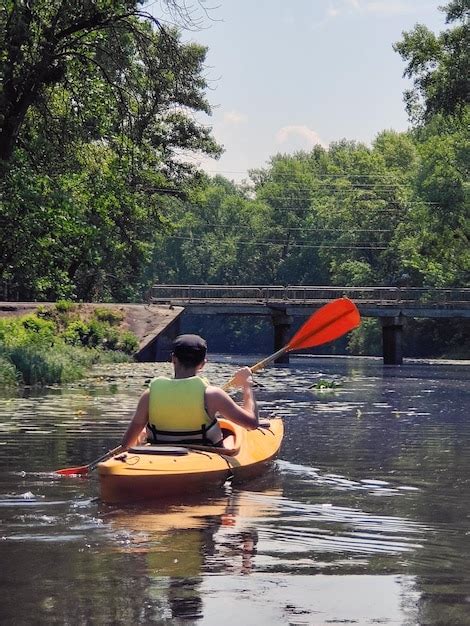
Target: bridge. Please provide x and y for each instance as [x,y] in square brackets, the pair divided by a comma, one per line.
[390,304]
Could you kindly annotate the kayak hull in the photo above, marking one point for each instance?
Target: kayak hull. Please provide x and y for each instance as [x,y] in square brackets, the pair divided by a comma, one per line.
[142,475]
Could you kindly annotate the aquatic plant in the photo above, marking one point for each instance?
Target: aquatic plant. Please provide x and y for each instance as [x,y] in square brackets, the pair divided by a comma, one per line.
[325,384]
[43,367]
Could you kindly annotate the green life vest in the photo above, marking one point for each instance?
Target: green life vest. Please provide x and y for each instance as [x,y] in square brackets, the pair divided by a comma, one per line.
[177,413]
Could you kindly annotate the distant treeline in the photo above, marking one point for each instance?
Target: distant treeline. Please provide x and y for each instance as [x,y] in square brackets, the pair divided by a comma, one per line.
[96,202]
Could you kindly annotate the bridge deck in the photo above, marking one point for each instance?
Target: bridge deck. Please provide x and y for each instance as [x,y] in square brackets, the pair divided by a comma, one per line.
[260,300]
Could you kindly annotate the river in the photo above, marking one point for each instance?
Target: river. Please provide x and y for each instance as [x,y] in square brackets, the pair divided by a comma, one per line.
[363,519]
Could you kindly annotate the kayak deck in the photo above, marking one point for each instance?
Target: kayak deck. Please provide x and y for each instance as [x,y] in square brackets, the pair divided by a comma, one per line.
[152,472]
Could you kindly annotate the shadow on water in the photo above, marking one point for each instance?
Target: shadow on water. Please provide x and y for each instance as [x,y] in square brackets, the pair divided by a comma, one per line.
[363,519]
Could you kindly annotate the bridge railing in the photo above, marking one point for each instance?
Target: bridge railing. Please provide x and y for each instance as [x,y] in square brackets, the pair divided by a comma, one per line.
[300,294]
[392,295]
[191,293]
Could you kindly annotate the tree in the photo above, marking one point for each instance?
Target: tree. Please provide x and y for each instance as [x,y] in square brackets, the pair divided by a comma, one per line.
[434,242]
[439,65]
[215,237]
[48,43]
[290,226]
[97,111]
[361,196]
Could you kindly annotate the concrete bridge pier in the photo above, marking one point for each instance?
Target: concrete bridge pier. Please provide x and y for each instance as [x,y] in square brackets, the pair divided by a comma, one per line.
[156,347]
[282,323]
[165,340]
[392,336]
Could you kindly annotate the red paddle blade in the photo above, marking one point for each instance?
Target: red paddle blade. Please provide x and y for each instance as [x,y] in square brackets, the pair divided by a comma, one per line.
[328,323]
[73,471]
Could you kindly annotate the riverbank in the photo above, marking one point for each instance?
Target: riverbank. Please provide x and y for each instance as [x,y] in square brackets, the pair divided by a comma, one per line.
[143,320]
[57,343]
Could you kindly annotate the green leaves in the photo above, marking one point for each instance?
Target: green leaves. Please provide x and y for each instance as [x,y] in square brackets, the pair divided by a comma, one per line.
[108,98]
[439,66]
[434,244]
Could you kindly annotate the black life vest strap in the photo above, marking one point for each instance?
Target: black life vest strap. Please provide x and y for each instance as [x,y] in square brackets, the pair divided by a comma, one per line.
[185,436]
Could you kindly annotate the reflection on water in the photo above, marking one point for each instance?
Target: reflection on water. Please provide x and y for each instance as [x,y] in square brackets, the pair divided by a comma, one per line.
[363,519]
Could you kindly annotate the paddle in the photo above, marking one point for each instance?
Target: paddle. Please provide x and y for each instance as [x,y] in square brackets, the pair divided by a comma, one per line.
[328,323]
[84,469]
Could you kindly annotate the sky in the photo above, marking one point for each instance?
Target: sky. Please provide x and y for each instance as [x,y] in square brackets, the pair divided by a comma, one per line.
[285,75]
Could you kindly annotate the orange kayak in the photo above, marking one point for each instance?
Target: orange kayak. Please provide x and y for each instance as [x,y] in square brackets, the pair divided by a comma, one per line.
[150,472]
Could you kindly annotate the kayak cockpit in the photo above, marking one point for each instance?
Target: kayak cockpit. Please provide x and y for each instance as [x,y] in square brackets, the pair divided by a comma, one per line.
[230,447]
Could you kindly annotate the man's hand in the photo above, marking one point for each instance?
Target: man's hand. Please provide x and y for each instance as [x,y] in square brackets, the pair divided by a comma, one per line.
[242,378]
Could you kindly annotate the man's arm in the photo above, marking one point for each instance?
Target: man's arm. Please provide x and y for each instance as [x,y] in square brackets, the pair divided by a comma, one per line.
[138,423]
[218,401]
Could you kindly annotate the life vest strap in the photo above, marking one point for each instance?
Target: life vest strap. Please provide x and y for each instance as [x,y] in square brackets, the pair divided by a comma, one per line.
[181,436]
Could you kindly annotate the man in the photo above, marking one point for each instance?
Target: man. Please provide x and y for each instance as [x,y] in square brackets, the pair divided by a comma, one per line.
[183,409]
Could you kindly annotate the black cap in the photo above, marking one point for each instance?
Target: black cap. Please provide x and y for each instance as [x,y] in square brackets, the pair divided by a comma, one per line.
[190,348]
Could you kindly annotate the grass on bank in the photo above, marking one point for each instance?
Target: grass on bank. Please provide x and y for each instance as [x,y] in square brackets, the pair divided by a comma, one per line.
[58,344]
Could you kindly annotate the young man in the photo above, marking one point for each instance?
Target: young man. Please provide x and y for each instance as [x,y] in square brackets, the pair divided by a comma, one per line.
[183,409]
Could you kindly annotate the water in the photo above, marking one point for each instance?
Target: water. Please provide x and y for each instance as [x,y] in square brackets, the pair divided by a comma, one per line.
[364,519]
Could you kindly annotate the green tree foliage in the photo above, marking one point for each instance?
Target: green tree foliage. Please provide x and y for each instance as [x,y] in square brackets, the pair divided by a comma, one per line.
[434,241]
[439,65]
[290,223]
[100,53]
[95,113]
[334,212]
[218,237]
[392,214]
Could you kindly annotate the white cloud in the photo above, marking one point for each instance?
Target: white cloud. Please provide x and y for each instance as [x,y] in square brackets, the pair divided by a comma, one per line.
[308,136]
[377,7]
[388,7]
[234,117]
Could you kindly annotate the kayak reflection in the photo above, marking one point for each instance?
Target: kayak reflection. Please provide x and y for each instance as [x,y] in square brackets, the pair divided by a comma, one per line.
[188,538]
[179,544]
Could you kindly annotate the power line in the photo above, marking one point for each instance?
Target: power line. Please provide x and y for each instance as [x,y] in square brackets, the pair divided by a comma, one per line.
[354,186]
[316,174]
[296,209]
[286,208]
[295,228]
[280,243]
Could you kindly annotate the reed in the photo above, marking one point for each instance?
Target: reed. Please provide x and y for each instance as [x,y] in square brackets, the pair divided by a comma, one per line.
[8,373]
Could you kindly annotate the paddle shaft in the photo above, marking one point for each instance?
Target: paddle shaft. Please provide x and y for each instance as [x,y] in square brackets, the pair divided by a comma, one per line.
[305,336]
[84,469]
[109,453]
[269,359]
[260,365]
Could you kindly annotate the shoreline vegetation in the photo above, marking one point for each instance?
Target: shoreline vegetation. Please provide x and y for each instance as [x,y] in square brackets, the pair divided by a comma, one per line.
[58,344]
